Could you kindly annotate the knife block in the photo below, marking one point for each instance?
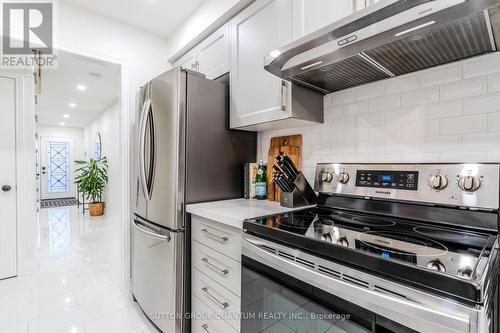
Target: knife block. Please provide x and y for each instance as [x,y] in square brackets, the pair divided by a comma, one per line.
[284,145]
[302,195]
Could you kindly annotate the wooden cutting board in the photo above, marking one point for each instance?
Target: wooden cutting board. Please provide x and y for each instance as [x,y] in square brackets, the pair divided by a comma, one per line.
[284,145]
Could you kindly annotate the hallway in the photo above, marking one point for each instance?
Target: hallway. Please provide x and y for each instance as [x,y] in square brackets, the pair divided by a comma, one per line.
[76,287]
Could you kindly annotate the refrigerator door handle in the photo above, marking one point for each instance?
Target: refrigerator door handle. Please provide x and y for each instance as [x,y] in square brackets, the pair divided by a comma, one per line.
[150,121]
[142,136]
[142,228]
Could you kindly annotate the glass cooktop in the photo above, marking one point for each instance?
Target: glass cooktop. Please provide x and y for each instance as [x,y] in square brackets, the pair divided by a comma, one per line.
[445,251]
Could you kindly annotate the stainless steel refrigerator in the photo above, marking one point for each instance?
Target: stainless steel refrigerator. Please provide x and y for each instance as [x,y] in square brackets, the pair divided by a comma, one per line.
[185,153]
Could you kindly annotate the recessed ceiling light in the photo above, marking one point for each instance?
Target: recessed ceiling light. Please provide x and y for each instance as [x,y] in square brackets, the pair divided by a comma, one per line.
[66,116]
[81,87]
[61,124]
[72,105]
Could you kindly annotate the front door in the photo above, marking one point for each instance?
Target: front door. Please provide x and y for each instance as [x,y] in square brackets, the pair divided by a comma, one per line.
[57,164]
[8,216]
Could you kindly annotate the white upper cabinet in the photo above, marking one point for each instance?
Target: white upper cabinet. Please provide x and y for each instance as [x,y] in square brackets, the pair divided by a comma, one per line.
[311,15]
[211,56]
[256,95]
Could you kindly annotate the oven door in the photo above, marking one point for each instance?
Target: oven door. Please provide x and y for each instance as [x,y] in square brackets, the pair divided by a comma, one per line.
[286,290]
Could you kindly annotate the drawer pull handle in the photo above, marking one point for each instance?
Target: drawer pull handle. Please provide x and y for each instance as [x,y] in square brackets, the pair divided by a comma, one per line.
[221,239]
[220,270]
[205,328]
[223,305]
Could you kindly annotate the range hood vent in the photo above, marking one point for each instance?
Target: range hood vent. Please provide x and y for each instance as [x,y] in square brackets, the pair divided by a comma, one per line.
[461,30]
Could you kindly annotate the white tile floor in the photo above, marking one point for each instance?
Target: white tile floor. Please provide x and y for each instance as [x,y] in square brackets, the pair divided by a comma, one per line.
[77,285]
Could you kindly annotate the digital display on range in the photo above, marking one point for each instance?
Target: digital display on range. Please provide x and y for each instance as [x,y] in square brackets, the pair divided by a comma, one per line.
[397,180]
[386,253]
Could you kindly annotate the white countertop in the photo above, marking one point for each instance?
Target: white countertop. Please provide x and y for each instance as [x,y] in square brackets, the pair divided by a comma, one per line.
[234,212]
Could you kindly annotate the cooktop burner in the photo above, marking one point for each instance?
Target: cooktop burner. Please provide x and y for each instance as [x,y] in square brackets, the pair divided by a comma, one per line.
[444,234]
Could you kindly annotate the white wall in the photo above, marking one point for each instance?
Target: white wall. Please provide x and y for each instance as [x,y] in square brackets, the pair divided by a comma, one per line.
[106,125]
[449,113]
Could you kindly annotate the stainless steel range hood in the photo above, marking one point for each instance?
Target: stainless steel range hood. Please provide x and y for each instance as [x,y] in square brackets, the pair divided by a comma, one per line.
[388,39]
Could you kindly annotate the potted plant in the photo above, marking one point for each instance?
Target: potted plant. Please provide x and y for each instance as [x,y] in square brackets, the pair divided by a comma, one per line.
[91,179]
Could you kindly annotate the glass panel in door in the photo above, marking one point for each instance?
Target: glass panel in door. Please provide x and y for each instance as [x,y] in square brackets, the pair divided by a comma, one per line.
[57,168]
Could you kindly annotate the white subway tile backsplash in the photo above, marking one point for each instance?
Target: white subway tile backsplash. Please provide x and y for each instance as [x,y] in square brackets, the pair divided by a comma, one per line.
[494,83]
[480,66]
[430,116]
[402,83]
[482,141]
[464,157]
[358,107]
[494,121]
[341,97]
[370,119]
[406,145]
[420,128]
[373,147]
[385,102]
[404,114]
[460,125]
[442,110]
[441,143]
[440,75]
[483,104]
[370,90]
[420,96]
[342,122]
[464,88]
[420,158]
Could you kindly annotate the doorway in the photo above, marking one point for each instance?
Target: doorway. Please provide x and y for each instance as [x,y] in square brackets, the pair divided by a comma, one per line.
[56,160]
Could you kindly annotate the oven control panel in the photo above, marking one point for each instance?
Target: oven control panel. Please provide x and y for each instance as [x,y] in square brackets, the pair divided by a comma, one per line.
[397,180]
[474,186]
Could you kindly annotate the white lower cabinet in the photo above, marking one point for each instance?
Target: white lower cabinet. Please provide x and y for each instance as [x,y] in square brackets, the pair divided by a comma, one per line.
[207,321]
[216,276]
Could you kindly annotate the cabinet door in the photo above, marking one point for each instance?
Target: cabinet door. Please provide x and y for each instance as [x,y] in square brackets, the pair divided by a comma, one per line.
[213,54]
[257,96]
[311,15]
[188,61]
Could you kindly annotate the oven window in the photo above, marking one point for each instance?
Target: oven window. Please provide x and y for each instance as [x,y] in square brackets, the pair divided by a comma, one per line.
[273,302]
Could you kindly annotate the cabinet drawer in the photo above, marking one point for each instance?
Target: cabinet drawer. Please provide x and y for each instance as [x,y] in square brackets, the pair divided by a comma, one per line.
[217,236]
[218,267]
[223,302]
[206,320]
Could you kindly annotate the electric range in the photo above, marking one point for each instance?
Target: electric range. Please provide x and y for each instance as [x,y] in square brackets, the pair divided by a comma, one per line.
[406,247]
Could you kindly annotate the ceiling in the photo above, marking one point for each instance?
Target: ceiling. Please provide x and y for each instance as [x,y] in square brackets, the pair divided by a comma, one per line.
[59,89]
[160,17]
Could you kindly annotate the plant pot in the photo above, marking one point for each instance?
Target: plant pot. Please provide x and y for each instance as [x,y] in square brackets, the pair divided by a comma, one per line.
[96,208]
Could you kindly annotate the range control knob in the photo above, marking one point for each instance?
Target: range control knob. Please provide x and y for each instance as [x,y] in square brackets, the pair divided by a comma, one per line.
[438,182]
[465,273]
[469,183]
[326,177]
[343,241]
[436,265]
[343,177]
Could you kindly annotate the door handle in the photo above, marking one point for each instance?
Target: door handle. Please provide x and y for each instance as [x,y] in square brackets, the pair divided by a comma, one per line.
[283,96]
[165,238]
[6,188]
[223,305]
[141,153]
[221,239]
[222,271]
